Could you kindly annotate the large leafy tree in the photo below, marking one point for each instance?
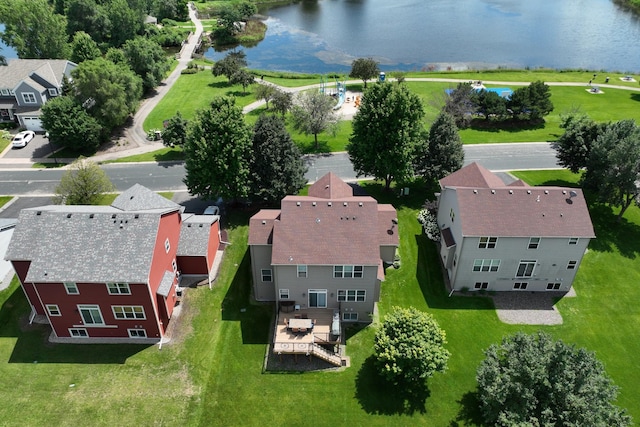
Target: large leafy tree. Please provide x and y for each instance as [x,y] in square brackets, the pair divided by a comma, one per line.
[277,168]
[574,145]
[228,66]
[265,92]
[243,78]
[176,131]
[83,183]
[172,9]
[445,153]
[147,59]
[461,104]
[34,29]
[126,21]
[532,380]
[282,101]
[409,347]
[83,48]
[364,69]
[613,167]
[313,113]
[491,105]
[533,101]
[108,91]
[218,152]
[70,125]
[387,131]
[90,17]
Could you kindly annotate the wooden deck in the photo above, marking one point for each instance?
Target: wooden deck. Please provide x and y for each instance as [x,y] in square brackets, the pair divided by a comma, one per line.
[287,342]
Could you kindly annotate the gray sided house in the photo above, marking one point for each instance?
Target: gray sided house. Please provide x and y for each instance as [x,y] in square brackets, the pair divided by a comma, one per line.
[26,84]
[510,237]
[326,250]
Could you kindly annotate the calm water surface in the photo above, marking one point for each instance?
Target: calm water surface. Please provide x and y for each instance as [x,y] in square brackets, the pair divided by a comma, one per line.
[326,35]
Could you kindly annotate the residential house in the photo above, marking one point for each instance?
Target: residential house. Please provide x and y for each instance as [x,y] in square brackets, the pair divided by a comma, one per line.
[513,237]
[26,84]
[109,273]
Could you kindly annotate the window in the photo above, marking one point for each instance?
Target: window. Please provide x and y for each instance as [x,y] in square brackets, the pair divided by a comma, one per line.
[525,268]
[487,242]
[573,240]
[452,215]
[128,312]
[352,295]
[167,245]
[137,333]
[118,288]
[520,286]
[91,314]
[5,92]
[481,285]
[347,271]
[284,293]
[553,286]
[534,242]
[71,288]
[174,265]
[53,91]
[53,310]
[78,333]
[302,271]
[350,317]
[318,298]
[267,275]
[572,265]
[29,98]
[486,265]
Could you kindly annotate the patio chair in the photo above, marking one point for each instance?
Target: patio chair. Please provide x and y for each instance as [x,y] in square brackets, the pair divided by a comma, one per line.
[286,321]
[313,322]
[297,316]
[305,316]
[303,330]
[295,330]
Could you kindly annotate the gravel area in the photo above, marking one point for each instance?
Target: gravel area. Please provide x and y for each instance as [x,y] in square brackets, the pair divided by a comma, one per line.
[530,308]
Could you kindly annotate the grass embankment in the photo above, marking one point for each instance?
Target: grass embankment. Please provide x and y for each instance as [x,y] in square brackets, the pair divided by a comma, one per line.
[212,372]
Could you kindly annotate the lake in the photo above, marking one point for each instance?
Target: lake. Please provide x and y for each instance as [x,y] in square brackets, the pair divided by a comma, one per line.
[327,35]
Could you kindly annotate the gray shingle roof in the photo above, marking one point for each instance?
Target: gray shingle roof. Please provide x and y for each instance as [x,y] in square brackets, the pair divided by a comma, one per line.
[138,198]
[194,234]
[17,70]
[165,283]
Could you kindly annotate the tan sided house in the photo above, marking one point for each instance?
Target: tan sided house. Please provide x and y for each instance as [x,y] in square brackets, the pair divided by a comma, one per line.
[321,256]
[510,237]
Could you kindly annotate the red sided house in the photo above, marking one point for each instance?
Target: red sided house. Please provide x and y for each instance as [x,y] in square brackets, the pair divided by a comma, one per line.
[109,273]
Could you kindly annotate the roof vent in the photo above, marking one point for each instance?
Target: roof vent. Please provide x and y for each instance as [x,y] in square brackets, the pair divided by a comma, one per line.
[510,191]
[136,216]
[188,225]
[68,215]
[564,191]
[475,191]
[328,203]
[131,198]
[317,220]
[264,222]
[91,215]
[360,204]
[546,191]
[113,216]
[39,213]
[353,218]
[345,204]
[538,198]
[528,191]
[297,203]
[201,225]
[493,191]
[313,204]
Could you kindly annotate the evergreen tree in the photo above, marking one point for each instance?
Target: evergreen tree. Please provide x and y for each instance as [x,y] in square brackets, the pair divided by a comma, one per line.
[83,48]
[445,153]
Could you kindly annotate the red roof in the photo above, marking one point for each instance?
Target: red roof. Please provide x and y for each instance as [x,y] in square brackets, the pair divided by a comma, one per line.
[472,175]
[330,187]
[261,226]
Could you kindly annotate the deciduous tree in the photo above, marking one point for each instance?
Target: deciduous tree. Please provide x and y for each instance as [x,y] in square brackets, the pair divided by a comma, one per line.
[83,48]
[282,101]
[445,153]
[69,125]
[147,59]
[244,78]
[461,104]
[218,152]
[387,131]
[265,92]
[364,69]
[82,184]
[176,131]
[277,168]
[313,113]
[533,380]
[233,62]
[574,145]
[532,102]
[409,347]
[90,17]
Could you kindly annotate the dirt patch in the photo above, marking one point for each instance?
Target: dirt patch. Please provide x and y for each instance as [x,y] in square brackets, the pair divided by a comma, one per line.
[180,326]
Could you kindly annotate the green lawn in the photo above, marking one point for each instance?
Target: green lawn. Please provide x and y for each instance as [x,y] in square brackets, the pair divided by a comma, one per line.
[213,374]
[161,155]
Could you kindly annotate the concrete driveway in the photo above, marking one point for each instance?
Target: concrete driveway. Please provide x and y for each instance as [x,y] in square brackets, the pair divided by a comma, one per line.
[37,148]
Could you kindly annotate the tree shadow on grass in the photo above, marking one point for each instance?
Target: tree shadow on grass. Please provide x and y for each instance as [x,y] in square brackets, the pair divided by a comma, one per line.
[419,192]
[378,396]
[511,125]
[611,233]
[635,97]
[310,147]
[469,413]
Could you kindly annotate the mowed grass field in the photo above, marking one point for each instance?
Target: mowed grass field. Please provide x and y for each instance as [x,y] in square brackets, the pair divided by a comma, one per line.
[211,372]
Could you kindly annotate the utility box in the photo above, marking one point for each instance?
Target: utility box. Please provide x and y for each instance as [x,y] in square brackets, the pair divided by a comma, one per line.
[382,77]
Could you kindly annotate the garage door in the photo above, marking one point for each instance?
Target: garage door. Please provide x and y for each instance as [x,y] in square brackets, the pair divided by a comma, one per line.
[33,123]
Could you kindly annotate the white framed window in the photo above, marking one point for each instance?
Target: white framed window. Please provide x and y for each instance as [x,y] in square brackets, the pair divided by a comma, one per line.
[267,275]
[486,265]
[572,265]
[5,92]
[128,312]
[573,240]
[137,333]
[91,315]
[352,295]
[53,91]
[525,268]
[118,289]
[481,285]
[350,316]
[348,271]
[318,298]
[29,97]
[71,288]
[284,293]
[553,286]
[301,271]
[487,242]
[167,245]
[53,310]
[520,286]
[534,242]
[174,265]
[78,333]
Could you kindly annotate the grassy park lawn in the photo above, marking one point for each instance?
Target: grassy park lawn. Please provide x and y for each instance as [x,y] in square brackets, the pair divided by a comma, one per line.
[161,155]
[211,374]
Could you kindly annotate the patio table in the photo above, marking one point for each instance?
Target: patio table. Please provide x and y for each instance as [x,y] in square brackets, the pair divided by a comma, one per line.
[300,323]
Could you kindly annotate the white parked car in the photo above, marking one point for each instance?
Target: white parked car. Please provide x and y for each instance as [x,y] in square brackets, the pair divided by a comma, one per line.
[22,139]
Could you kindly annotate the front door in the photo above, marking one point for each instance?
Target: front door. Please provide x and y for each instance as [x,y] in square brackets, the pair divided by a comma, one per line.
[318,298]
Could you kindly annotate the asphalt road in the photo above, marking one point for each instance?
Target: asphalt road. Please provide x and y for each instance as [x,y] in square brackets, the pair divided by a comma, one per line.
[168,176]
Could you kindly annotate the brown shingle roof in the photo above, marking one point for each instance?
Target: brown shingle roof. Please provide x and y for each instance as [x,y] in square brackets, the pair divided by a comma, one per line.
[523,211]
[261,226]
[330,187]
[387,229]
[472,175]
